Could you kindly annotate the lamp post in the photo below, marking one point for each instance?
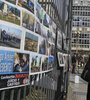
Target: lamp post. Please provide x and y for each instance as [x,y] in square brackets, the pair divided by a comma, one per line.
[77,36]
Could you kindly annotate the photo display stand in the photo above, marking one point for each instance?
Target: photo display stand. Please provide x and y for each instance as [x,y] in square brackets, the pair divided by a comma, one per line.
[27,42]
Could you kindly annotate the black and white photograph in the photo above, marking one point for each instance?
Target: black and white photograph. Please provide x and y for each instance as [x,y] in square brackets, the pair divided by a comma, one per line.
[61,59]
[59,40]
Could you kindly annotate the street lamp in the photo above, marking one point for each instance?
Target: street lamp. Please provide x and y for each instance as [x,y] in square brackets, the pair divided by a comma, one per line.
[77,36]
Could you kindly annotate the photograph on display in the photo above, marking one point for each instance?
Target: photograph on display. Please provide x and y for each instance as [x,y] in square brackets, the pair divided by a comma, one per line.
[14,69]
[59,40]
[54,27]
[45,20]
[42,46]
[50,63]
[10,37]
[27,4]
[48,48]
[44,31]
[9,13]
[31,42]
[39,11]
[35,63]
[21,62]
[38,27]
[52,50]
[28,21]
[12,1]
[65,62]
[64,42]
[44,63]
[61,59]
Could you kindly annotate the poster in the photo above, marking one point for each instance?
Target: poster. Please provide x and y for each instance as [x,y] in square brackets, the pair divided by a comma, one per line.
[14,69]
[37,27]
[10,36]
[61,59]
[9,13]
[50,63]
[59,40]
[42,45]
[35,63]
[27,4]
[44,63]
[28,21]
[31,42]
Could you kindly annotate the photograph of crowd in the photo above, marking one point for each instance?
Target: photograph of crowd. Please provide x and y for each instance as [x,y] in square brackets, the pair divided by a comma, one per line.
[9,13]
[35,63]
[39,11]
[28,21]
[27,4]
[31,42]
[50,63]
[37,27]
[21,62]
[59,40]
[42,46]
[44,63]
[60,59]
[10,37]
[12,1]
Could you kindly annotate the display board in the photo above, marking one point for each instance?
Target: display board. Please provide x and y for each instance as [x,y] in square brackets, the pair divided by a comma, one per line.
[27,42]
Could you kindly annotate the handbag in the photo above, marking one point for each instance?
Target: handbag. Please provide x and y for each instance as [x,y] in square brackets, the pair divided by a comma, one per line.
[86,75]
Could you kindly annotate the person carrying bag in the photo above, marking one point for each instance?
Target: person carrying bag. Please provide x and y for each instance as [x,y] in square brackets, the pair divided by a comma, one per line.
[86,76]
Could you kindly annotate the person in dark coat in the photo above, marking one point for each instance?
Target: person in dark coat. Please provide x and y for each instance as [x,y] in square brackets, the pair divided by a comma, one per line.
[73,63]
[88,90]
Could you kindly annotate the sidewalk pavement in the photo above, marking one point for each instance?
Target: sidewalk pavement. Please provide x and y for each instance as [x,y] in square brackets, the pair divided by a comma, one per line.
[77,91]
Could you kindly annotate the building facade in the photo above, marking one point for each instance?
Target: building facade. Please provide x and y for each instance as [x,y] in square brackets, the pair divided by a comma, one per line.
[81,26]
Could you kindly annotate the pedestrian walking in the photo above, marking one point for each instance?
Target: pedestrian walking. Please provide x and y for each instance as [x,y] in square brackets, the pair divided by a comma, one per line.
[73,63]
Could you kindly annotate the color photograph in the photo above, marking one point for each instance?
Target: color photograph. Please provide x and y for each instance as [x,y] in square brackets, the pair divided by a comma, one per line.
[60,59]
[38,27]
[28,21]
[12,1]
[59,40]
[10,37]
[35,63]
[9,13]
[27,4]
[43,31]
[50,63]
[42,46]
[39,11]
[44,63]
[21,62]
[31,42]
[45,20]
